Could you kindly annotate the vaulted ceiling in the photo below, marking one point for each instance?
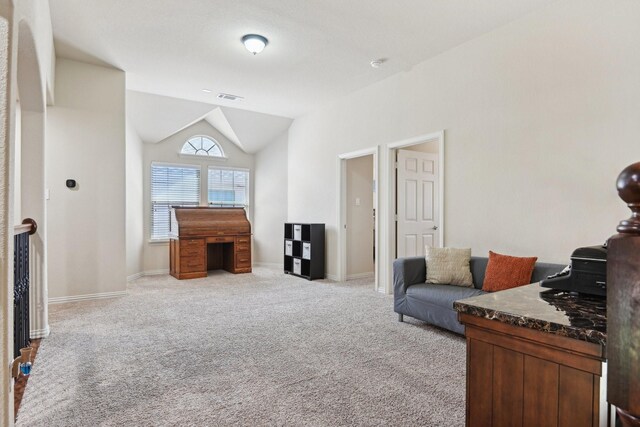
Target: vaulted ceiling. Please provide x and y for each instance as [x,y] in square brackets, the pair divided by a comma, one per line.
[157,117]
[319,50]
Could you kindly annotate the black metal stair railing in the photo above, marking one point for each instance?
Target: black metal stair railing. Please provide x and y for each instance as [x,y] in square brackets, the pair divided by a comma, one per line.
[21,331]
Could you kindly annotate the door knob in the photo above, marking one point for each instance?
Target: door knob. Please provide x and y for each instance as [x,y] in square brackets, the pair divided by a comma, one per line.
[435,227]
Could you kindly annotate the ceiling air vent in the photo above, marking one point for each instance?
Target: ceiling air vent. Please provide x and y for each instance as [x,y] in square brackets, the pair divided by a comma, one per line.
[229,97]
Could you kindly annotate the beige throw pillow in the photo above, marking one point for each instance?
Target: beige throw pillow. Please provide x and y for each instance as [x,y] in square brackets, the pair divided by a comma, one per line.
[449,266]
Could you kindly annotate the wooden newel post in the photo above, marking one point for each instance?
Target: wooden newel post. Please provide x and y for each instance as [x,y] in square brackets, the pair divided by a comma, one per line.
[623,304]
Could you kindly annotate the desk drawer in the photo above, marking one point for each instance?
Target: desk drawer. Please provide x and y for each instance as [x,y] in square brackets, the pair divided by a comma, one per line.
[243,260]
[243,247]
[244,240]
[191,251]
[222,239]
[243,244]
[192,264]
[191,243]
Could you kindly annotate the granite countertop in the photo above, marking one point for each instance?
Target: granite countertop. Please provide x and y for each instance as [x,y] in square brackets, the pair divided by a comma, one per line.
[581,317]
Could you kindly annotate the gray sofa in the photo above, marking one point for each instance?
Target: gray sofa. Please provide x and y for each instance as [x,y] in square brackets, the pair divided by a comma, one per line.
[434,303]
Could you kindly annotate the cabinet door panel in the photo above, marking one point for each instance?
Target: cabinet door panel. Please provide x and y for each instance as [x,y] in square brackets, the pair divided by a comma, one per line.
[507,387]
[540,393]
[479,383]
[576,397]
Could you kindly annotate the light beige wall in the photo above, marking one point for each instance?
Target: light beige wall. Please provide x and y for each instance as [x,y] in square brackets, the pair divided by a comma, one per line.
[6,216]
[36,15]
[33,31]
[156,254]
[86,142]
[360,217]
[17,171]
[540,116]
[135,202]
[270,211]
[24,30]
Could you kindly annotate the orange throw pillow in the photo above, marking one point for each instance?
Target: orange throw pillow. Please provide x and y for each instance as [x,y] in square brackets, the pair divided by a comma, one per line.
[505,272]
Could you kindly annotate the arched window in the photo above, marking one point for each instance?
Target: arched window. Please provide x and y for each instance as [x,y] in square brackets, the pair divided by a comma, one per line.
[202,146]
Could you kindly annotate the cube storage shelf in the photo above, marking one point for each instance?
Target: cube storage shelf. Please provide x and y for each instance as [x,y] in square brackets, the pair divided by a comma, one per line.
[304,250]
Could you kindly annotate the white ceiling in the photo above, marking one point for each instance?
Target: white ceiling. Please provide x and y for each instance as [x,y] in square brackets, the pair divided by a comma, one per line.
[319,49]
[251,130]
[157,117]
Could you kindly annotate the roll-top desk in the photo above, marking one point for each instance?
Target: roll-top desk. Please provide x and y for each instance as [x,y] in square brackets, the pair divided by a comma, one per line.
[203,239]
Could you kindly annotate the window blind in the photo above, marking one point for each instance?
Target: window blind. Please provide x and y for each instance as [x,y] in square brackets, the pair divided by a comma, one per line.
[228,187]
[171,186]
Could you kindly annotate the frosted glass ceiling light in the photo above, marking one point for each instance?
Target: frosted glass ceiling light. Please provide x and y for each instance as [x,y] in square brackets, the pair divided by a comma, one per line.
[255,43]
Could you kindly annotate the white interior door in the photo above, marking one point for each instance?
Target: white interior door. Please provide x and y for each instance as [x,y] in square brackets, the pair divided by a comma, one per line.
[418,202]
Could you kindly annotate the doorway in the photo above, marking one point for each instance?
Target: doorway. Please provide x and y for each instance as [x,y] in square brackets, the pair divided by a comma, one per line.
[433,144]
[358,216]
[417,199]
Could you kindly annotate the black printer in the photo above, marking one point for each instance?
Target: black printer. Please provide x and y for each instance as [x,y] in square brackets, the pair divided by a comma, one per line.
[587,273]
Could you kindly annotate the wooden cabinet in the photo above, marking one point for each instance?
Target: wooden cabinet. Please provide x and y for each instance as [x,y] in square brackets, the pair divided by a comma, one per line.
[304,250]
[523,377]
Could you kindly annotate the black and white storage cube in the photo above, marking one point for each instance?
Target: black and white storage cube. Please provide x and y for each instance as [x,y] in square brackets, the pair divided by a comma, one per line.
[304,250]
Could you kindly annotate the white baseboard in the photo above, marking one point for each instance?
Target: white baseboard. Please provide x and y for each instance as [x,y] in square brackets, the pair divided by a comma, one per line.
[39,333]
[156,272]
[161,272]
[103,295]
[269,265]
[147,273]
[135,276]
[361,276]
[333,277]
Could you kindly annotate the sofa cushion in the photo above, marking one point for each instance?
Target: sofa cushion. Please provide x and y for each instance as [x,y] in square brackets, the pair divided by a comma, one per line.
[505,272]
[448,266]
[441,295]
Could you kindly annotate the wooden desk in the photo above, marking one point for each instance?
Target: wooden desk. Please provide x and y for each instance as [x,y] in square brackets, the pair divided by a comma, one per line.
[203,239]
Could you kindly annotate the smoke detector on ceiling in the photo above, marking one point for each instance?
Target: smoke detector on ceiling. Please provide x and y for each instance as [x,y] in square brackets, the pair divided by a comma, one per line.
[230,97]
[376,63]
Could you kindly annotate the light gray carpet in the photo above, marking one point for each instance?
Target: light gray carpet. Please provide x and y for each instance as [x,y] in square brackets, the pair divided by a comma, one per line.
[252,349]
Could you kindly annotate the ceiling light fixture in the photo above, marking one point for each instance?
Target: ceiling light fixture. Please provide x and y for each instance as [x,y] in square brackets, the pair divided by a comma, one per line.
[207,90]
[255,43]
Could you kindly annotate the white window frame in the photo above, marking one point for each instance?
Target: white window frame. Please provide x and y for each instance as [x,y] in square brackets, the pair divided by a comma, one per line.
[247,206]
[175,165]
[222,158]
